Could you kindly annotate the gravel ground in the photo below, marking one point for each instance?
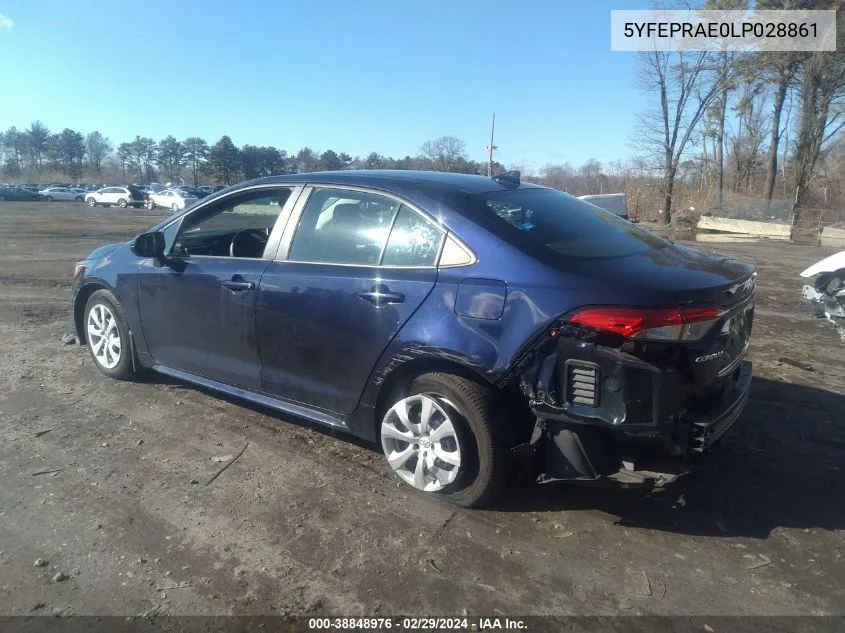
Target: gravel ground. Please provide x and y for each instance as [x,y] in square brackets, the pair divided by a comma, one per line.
[105,506]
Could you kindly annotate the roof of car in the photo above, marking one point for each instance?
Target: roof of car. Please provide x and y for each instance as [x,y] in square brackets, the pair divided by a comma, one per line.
[396,180]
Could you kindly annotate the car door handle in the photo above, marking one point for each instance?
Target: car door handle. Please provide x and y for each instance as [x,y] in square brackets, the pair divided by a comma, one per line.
[238,286]
[381,295]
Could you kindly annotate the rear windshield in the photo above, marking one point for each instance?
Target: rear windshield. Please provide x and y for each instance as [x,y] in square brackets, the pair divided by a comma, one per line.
[549,222]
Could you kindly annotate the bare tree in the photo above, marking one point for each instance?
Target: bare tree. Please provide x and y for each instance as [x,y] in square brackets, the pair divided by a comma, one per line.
[446,153]
[98,147]
[37,140]
[821,93]
[677,79]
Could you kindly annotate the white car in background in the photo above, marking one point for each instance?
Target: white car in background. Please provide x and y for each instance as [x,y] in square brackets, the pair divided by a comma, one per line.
[115,196]
[62,193]
[173,199]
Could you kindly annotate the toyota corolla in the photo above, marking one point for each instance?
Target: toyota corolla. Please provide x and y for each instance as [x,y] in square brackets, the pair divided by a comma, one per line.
[471,326]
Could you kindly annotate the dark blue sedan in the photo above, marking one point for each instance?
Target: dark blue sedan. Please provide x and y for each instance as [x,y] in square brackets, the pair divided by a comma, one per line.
[474,327]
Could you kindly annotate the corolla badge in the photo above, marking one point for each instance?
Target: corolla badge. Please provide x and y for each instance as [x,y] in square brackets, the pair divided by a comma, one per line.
[709,357]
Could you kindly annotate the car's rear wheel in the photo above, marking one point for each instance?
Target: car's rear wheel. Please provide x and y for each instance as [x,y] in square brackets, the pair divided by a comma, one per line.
[446,436]
[174,207]
[107,335]
[92,203]
[49,198]
[122,203]
[78,199]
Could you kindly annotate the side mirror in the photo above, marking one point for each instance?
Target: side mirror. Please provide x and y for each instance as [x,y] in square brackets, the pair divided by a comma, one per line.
[149,245]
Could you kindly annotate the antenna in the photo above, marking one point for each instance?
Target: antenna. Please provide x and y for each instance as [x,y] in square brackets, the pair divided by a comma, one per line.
[490,148]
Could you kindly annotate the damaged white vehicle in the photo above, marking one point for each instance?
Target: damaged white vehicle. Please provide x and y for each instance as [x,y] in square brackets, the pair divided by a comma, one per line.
[827,294]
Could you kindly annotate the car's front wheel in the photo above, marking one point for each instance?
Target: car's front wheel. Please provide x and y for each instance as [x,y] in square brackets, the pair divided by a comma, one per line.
[92,203]
[447,436]
[107,335]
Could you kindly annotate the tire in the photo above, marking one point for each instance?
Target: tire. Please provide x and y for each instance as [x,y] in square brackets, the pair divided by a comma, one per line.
[92,203]
[49,198]
[2,198]
[122,203]
[111,352]
[78,199]
[175,208]
[480,442]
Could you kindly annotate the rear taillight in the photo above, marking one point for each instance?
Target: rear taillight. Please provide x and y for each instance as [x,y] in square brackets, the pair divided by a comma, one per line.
[659,324]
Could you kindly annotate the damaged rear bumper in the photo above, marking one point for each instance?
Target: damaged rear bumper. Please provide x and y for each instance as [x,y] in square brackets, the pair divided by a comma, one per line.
[653,450]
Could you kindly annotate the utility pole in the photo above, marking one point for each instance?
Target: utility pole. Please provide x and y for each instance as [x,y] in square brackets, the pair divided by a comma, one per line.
[491,147]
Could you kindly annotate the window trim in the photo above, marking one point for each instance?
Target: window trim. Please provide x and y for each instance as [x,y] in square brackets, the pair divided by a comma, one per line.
[272,246]
[296,216]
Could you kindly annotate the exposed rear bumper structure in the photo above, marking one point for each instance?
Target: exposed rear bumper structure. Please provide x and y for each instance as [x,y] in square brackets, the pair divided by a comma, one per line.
[642,427]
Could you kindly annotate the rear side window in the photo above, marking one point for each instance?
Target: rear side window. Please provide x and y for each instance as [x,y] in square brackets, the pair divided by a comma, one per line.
[546,222]
[343,227]
[413,241]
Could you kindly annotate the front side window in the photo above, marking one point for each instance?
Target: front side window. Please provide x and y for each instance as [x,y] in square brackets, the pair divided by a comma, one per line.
[237,226]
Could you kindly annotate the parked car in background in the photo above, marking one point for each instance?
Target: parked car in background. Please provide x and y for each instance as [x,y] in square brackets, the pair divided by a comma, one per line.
[62,193]
[207,189]
[116,196]
[466,324]
[173,199]
[616,203]
[153,187]
[19,194]
[196,192]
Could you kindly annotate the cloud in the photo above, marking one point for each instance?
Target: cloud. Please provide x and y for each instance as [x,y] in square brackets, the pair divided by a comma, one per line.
[5,22]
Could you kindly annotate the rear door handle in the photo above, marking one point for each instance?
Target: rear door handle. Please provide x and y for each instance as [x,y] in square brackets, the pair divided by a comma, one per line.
[237,285]
[381,295]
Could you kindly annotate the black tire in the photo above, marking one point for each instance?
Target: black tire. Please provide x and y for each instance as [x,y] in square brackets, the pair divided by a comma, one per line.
[175,208]
[123,369]
[49,198]
[2,198]
[92,202]
[122,203]
[483,432]
[78,199]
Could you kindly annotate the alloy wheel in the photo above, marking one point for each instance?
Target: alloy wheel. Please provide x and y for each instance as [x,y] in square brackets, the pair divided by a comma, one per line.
[104,336]
[420,441]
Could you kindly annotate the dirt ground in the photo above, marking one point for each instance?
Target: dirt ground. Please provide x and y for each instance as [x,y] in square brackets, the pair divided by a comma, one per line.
[307,522]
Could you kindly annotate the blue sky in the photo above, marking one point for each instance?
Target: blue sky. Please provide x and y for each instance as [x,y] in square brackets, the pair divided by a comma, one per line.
[354,76]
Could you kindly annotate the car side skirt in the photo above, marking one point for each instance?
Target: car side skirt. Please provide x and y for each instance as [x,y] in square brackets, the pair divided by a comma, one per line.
[254,397]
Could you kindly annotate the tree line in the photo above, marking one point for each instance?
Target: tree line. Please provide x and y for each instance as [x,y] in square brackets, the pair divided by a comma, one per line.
[35,151]
[721,127]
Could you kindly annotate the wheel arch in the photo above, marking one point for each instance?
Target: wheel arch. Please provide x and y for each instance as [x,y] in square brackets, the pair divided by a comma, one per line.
[403,374]
[79,302]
